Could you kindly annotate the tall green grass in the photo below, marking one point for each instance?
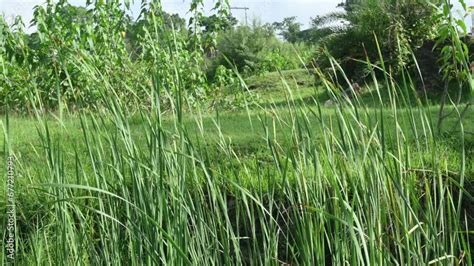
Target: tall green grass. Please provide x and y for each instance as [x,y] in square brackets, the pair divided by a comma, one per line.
[353,191]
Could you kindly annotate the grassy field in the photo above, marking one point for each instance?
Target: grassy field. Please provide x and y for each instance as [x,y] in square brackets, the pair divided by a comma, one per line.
[281,98]
[246,131]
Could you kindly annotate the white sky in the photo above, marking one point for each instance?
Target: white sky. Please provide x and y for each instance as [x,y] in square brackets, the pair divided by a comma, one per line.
[265,10]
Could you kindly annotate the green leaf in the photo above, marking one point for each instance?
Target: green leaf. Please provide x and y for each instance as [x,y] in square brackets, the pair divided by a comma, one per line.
[462,25]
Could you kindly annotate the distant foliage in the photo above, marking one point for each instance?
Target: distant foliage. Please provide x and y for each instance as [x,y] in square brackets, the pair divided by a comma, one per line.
[399,27]
[255,49]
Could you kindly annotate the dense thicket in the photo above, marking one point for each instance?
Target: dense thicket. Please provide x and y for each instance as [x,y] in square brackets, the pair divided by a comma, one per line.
[361,28]
[52,66]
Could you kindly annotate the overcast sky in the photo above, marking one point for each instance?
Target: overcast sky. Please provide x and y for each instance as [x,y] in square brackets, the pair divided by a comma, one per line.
[265,10]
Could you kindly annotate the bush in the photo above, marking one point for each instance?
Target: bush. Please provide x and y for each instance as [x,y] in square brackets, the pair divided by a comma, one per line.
[255,49]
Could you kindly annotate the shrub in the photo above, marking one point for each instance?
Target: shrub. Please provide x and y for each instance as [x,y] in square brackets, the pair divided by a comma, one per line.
[255,49]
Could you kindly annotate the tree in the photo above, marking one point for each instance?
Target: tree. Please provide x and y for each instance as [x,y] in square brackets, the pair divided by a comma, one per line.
[211,27]
[399,26]
[243,45]
[136,30]
[215,23]
[289,29]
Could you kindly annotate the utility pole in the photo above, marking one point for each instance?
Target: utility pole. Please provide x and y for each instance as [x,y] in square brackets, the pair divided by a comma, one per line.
[245,10]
